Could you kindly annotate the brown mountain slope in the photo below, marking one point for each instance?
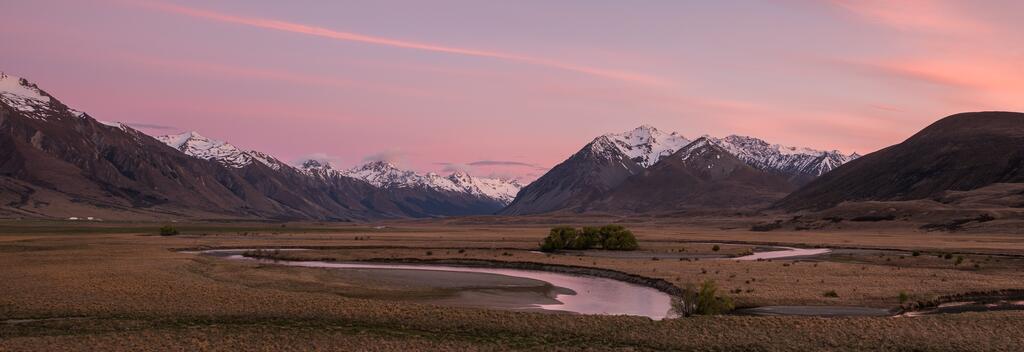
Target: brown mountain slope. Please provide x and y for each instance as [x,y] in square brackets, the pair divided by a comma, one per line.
[57,162]
[571,185]
[958,153]
[94,164]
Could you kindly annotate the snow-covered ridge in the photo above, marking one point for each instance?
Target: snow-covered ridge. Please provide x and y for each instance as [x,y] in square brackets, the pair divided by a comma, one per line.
[377,174]
[763,155]
[647,145]
[382,174]
[196,145]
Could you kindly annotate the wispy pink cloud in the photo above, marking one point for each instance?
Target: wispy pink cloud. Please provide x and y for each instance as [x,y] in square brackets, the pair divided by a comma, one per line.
[935,16]
[398,43]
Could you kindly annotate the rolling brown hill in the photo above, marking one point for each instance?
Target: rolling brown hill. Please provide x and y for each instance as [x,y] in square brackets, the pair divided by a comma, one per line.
[961,152]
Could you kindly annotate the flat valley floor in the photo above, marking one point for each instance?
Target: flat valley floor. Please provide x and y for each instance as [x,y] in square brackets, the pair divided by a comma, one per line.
[120,286]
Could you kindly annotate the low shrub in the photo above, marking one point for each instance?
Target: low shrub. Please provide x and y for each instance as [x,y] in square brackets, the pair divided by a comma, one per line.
[873,218]
[168,231]
[766,227]
[830,294]
[704,301]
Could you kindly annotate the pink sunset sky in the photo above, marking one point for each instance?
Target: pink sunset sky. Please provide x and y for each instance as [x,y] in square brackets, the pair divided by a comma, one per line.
[511,88]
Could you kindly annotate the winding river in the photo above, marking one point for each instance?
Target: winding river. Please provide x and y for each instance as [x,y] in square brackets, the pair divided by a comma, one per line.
[571,293]
[503,288]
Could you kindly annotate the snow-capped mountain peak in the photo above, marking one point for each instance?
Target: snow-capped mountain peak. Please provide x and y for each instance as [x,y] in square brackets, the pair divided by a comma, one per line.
[196,145]
[645,144]
[27,98]
[385,175]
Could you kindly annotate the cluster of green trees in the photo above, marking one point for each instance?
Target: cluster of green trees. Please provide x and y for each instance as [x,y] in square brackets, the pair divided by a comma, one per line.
[610,237]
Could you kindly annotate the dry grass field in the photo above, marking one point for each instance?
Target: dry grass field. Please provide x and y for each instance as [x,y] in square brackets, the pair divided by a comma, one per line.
[119,286]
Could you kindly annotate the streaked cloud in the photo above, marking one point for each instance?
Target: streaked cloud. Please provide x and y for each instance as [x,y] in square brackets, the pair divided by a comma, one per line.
[323,158]
[398,43]
[506,163]
[392,156]
[150,126]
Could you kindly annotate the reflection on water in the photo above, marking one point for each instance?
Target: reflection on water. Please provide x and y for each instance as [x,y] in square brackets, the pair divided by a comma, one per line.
[786,252]
[584,294]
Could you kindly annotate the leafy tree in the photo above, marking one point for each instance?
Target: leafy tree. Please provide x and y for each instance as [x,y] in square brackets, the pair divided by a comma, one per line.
[616,237]
[593,236]
[559,238]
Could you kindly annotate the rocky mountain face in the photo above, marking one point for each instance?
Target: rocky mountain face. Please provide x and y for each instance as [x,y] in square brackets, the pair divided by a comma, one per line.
[799,165]
[701,175]
[962,152]
[57,162]
[588,178]
[385,175]
[584,177]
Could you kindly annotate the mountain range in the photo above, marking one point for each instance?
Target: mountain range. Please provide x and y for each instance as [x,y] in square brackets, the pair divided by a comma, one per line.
[58,162]
[379,174]
[645,170]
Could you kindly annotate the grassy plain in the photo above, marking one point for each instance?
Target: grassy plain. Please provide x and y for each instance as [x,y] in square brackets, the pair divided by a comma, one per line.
[88,286]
